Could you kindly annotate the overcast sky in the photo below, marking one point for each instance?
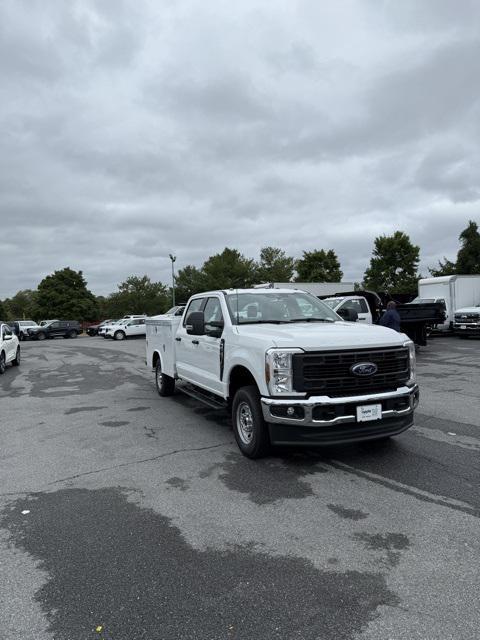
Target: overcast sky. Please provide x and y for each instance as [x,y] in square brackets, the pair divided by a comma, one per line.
[133,129]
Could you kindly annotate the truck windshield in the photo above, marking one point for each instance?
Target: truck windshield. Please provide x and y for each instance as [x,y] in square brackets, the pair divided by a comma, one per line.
[278,308]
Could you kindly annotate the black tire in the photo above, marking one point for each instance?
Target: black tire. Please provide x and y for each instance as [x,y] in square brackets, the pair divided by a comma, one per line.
[21,336]
[165,384]
[41,336]
[3,364]
[119,335]
[72,334]
[249,427]
[16,362]
[464,337]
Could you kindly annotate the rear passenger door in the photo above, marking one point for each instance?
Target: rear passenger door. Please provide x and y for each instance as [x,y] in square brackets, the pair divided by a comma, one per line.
[209,348]
[187,347]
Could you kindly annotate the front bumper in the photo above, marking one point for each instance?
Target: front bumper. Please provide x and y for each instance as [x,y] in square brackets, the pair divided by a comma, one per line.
[325,420]
[466,328]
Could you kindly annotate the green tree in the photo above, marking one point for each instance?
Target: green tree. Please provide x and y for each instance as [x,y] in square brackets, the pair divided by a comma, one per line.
[229,269]
[138,295]
[274,266]
[318,266]
[468,258]
[189,281]
[64,295]
[445,268]
[3,311]
[22,306]
[394,264]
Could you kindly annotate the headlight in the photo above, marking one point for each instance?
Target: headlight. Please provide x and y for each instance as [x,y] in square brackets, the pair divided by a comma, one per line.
[279,372]
[413,363]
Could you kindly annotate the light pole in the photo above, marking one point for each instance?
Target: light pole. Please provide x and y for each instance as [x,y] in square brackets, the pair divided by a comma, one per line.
[173,258]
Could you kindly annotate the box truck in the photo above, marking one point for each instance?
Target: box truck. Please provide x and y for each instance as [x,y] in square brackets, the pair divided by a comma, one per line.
[456,292]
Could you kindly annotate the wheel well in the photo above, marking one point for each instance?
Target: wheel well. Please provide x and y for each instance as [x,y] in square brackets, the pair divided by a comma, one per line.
[239,377]
[155,359]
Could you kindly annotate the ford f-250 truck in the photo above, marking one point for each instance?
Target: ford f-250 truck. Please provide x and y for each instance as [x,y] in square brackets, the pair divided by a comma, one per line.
[291,371]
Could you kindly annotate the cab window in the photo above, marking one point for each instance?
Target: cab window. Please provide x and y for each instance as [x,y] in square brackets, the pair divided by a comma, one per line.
[213,316]
[195,305]
[363,306]
[6,331]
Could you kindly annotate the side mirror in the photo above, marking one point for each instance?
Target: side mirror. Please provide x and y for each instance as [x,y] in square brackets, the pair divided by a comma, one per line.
[215,329]
[195,325]
[348,314]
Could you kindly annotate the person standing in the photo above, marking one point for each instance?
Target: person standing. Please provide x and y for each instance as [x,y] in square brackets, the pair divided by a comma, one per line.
[391,317]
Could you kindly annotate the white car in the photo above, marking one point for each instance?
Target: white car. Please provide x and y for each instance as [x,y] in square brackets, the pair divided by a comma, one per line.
[126,328]
[9,347]
[103,328]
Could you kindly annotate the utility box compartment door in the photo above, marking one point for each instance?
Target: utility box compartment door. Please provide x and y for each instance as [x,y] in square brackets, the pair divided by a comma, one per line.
[161,334]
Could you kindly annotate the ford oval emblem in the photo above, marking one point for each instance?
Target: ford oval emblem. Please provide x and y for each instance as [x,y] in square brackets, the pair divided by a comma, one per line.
[364,369]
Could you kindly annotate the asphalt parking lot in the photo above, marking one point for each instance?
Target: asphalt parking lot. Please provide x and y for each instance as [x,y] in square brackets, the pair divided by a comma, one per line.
[128,516]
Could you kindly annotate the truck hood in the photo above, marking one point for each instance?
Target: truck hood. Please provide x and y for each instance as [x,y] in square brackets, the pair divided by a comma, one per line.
[320,336]
[468,310]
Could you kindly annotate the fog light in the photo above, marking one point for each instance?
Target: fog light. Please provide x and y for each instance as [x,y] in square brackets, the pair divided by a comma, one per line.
[294,413]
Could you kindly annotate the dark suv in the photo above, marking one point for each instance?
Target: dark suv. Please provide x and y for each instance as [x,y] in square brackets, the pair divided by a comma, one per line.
[55,329]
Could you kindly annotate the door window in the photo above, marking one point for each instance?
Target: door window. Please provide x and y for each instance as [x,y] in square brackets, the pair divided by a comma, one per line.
[353,304]
[195,305]
[6,331]
[213,316]
[363,306]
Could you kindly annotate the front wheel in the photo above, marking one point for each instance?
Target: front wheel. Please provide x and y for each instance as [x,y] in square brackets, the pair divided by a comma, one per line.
[41,336]
[16,362]
[119,335]
[72,334]
[165,384]
[249,427]
[3,363]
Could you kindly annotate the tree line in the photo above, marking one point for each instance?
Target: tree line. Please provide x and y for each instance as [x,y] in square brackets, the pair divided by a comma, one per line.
[393,268]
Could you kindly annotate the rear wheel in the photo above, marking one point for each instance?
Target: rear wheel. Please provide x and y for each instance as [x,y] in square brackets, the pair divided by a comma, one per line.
[3,364]
[249,427]
[72,334]
[16,362]
[165,384]
[119,335]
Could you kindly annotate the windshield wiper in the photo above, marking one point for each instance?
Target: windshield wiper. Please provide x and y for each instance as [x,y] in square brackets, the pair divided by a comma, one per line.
[264,322]
[312,320]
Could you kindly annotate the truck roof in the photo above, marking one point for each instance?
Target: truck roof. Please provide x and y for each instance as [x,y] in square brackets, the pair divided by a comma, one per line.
[249,290]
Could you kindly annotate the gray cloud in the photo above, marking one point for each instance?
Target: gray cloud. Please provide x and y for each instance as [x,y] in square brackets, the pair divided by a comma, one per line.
[130,131]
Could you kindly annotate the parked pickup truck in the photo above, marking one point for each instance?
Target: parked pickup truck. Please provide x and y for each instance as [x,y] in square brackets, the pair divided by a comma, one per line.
[290,370]
[417,318]
[467,322]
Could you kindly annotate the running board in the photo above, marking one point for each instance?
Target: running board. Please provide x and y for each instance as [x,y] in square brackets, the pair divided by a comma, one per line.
[210,399]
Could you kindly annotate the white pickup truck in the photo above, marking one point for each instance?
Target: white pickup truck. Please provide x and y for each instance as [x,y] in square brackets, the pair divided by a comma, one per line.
[291,371]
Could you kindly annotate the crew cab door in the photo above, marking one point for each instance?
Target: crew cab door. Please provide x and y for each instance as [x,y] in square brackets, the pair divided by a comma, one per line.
[198,357]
